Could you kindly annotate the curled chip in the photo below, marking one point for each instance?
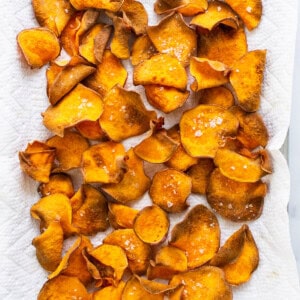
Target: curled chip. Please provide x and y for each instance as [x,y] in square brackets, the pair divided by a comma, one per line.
[104,163]
[198,235]
[134,183]
[73,263]
[208,73]
[110,72]
[137,252]
[58,183]
[223,44]
[203,129]
[39,46]
[200,174]
[182,45]
[161,69]
[151,225]
[250,11]
[90,212]
[236,201]
[37,161]
[121,216]
[69,149]
[220,96]
[53,14]
[101,40]
[124,114]
[252,131]
[49,246]
[238,167]
[205,283]
[98,4]
[238,257]
[217,13]
[54,208]
[165,98]
[158,148]
[91,130]
[79,105]
[246,78]
[110,292]
[142,49]
[170,189]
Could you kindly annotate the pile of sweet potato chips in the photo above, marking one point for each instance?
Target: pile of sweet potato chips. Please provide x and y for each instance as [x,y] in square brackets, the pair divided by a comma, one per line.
[217,149]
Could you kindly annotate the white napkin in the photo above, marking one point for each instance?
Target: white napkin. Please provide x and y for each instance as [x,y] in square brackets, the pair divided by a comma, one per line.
[23,98]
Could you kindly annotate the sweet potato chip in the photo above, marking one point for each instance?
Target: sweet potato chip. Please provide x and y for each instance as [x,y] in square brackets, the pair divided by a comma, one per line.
[220,96]
[165,98]
[223,44]
[137,252]
[54,208]
[79,105]
[124,114]
[142,49]
[238,257]
[182,45]
[198,235]
[49,246]
[91,217]
[58,183]
[161,69]
[37,161]
[203,129]
[39,46]
[52,72]
[200,174]
[101,40]
[207,73]
[246,78]
[217,13]
[121,216]
[110,292]
[134,183]
[193,7]
[154,287]
[104,163]
[69,149]
[236,201]
[98,4]
[250,11]
[170,189]
[205,283]
[91,130]
[110,72]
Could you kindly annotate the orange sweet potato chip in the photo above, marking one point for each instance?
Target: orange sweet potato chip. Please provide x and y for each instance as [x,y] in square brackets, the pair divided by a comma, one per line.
[91,130]
[100,42]
[142,49]
[102,4]
[217,96]
[110,292]
[121,216]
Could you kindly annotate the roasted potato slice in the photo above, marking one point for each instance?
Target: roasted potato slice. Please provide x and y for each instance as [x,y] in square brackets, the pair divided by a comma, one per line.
[121,216]
[220,96]
[110,292]
[142,49]
[91,130]
[109,5]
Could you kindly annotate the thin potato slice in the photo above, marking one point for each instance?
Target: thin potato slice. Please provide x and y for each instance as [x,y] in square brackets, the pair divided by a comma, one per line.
[39,46]
[104,163]
[203,129]
[151,225]
[134,183]
[110,292]
[58,183]
[205,283]
[52,72]
[49,246]
[124,114]
[233,200]
[63,288]
[250,11]
[98,4]
[238,257]
[207,73]
[101,40]
[110,72]
[246,78]
[121,216]
[170,189]
[220,96]
[200,174]
[91,130]
[193,7]
[223,44]
[154,287]
[182,45]
[79,105]
[161,69]
[37,161]
[69,149]
[217,13]
[92,215]
[198,235]
[142,49]
[137,252]
[165,98]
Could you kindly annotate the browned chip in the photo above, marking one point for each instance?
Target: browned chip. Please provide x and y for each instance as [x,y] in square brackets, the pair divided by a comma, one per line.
[217,96]
[142,49]
[91,130]
[99,4]
[121,216]
[110,292]
[246,78]
[237,201]
[101,40]
[181,45]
